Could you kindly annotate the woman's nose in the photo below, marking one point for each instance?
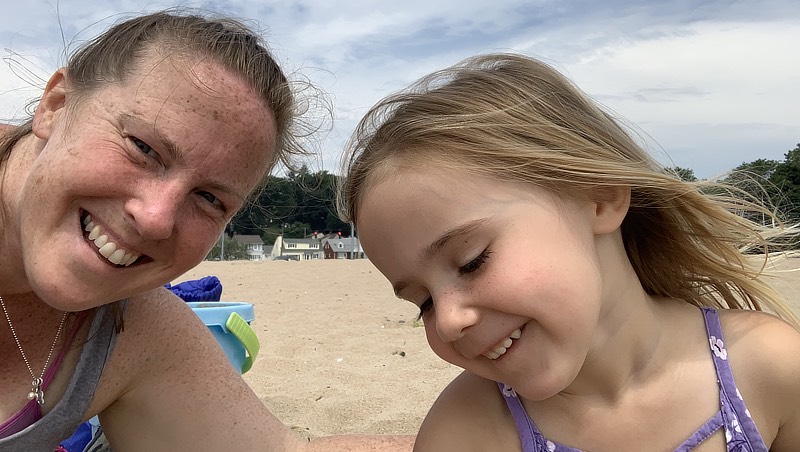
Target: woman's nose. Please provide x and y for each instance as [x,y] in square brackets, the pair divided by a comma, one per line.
[153,211]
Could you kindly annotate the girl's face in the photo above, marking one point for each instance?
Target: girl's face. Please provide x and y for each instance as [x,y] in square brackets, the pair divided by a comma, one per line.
[509,277]
[157,164]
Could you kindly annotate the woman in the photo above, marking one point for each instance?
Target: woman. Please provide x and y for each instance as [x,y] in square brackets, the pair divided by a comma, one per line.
[139,152]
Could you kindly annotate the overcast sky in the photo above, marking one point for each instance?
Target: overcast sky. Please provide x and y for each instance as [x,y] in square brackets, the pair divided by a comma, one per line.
[708,84]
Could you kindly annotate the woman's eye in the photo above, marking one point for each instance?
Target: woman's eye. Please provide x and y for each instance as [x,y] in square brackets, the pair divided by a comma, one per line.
[474,264]
[210,198]
[426,306]
[144,147]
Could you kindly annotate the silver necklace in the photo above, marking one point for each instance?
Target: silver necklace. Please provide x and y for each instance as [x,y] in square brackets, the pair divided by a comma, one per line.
[36,384]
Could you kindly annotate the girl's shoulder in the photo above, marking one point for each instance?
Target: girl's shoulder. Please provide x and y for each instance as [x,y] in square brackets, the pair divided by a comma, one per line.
[470,414]
[764,355]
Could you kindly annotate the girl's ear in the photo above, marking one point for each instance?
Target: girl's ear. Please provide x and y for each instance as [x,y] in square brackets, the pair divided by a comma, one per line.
[611,206]
[52,102]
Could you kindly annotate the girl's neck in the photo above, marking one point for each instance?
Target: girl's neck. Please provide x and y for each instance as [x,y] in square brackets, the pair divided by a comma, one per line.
[632,333]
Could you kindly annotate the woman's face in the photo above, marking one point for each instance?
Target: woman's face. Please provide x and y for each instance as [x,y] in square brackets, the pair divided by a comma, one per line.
[156,164]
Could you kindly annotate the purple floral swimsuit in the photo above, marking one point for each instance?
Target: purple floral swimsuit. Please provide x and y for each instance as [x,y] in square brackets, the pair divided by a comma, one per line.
[741,433]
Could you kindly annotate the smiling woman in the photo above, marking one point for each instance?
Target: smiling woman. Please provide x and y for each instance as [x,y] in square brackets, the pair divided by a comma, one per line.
[139,152]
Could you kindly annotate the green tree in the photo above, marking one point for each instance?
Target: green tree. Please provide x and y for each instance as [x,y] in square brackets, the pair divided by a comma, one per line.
[303,200]
[234,250]
[685,174]
[786,178]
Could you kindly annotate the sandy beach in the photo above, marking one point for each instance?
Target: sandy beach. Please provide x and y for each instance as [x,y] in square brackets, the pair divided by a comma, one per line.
[339,353]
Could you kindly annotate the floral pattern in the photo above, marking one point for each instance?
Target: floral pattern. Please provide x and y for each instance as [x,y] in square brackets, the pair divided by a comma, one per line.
[508,391]
[718,347]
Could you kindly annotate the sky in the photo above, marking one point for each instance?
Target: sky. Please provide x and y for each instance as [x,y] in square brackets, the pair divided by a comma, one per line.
[705,85]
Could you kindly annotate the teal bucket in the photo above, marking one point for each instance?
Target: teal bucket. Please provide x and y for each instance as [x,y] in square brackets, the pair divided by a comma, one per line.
[229,322]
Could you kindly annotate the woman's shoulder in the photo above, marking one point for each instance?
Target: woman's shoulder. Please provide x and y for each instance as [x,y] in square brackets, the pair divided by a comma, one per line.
[469,414]
[157,327]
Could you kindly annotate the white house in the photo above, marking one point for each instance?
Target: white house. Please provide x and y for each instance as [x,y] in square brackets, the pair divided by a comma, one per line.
[255,246]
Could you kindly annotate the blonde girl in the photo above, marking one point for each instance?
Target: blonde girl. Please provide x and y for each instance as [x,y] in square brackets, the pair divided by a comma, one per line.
[596,301]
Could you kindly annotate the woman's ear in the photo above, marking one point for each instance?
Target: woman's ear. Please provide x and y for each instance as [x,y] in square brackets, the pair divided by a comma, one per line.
[52,103]
[611,206]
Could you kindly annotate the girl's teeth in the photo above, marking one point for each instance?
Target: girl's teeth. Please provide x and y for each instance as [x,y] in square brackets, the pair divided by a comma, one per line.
[501,350]
[109,250]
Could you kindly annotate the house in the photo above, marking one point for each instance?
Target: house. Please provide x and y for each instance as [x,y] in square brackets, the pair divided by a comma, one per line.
[296,249]
[342,248]
[255,246]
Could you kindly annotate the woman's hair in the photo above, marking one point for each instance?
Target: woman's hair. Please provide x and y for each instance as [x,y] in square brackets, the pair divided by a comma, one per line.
[513,118]
[114,55]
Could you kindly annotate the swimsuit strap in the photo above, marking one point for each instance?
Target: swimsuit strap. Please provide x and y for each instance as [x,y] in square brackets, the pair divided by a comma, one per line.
[532,440]
[741,431]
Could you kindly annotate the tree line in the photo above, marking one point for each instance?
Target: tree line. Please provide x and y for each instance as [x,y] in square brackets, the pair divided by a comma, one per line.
[295,206]
[302,202]
[774,183]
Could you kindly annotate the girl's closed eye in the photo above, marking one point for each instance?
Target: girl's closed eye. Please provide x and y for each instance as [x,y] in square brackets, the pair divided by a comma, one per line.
[426,306]
[475,264]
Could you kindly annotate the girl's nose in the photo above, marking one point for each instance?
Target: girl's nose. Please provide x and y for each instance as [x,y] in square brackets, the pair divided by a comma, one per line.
[454,316]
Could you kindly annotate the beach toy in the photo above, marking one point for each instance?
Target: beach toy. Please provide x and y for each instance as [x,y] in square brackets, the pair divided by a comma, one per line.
[230,323]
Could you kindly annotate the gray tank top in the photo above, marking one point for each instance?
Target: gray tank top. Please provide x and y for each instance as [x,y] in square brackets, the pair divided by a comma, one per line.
[67,414]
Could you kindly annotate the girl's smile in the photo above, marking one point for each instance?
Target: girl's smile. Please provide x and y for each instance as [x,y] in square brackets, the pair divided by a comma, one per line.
[507,276]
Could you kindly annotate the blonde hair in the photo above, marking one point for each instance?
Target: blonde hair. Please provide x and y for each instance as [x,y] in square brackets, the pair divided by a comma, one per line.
[510,117]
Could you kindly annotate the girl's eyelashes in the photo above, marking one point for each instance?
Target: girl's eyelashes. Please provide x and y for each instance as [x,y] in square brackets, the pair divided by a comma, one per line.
[425,307]
[144,147]
[475,264]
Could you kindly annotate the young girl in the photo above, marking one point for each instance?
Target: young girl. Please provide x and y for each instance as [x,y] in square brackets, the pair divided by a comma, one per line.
[595,301]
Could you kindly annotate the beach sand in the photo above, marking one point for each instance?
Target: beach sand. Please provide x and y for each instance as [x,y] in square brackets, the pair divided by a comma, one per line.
[339,353]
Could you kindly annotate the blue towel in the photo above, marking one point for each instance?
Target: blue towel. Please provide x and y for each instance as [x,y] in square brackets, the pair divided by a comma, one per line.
[204,289]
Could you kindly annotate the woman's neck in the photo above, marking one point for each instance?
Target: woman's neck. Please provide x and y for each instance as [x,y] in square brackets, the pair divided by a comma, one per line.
[13,174]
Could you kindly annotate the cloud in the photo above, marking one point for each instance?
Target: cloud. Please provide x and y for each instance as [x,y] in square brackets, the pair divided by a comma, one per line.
[685,71]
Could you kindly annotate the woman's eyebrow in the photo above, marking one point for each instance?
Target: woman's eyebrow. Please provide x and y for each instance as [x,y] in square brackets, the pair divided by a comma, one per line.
[175,152]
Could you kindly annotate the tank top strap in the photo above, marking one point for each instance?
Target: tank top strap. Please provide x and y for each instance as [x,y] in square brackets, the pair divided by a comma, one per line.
[51,371]
[739,425]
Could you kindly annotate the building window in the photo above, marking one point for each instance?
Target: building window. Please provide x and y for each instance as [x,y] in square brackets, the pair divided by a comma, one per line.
[291,245]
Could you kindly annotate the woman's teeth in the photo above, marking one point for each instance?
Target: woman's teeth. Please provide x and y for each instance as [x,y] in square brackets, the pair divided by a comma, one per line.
[501,350]
[109,250]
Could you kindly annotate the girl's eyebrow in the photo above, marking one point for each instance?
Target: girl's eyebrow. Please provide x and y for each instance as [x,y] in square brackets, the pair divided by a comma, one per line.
[437,245]
[431,250]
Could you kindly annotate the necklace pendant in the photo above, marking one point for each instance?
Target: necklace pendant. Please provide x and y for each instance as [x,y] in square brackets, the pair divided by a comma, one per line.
[36,391]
